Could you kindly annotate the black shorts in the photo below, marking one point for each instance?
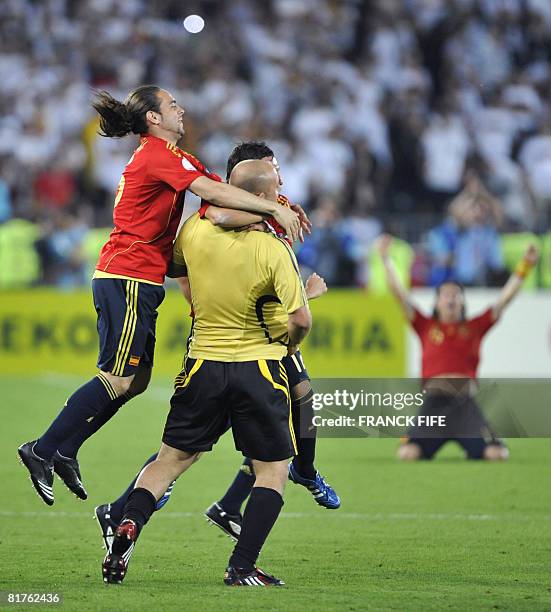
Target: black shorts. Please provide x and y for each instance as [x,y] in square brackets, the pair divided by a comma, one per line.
[127,315]
[295,368]
[251,396]
[464,420]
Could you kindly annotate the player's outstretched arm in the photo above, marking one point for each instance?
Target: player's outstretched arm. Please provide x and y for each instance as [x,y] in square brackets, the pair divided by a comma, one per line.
[516,280]
[398,290]
[228,196]
[315,286]
[231,218]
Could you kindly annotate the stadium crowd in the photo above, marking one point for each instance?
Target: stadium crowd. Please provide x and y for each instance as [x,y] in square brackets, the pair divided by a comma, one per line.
[427,118]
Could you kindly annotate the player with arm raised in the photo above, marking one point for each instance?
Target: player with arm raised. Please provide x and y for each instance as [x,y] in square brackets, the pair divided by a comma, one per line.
[450,346]
[127,284]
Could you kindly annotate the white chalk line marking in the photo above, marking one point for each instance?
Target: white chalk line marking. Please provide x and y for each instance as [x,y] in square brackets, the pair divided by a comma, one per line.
[360,516]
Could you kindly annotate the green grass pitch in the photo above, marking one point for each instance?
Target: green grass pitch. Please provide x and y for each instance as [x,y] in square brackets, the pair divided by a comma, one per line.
[444,535]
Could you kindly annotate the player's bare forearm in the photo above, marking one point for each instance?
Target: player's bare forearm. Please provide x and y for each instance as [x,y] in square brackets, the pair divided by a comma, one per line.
[230,218]
[228,196]
[516,280]
[397,289]
[297,333]
[299,325]
[510,289]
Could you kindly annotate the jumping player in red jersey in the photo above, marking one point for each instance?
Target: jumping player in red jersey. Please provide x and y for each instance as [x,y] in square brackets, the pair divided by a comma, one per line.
[451,352]
[127,284]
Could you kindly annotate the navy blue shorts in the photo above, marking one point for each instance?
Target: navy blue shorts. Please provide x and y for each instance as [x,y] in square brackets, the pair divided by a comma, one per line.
[295,368]
[127,315]
[470,428]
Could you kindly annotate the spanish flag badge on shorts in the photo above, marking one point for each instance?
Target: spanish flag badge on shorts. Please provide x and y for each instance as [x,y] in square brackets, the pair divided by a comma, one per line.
[134,360]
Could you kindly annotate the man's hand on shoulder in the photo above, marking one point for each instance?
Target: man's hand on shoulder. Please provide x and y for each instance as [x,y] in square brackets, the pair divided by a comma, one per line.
[290,221]
[305,223]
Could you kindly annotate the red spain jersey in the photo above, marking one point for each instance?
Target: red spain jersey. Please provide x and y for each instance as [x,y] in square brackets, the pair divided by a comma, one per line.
[451,348]
[274,226]
[148,210]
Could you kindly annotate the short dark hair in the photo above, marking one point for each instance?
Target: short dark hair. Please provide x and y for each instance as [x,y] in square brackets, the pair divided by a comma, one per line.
[461,288]
[252,149]
[118,119]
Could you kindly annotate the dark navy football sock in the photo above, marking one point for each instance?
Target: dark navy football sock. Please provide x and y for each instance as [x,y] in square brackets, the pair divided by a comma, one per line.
[260,515]
[302,413]
[305,467]
[83,405]
[117,507]
[70,447]
[239,489]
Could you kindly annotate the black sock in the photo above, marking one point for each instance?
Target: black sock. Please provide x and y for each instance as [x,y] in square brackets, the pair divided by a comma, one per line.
[304,465]
[305,433]
[260,515]
[139,507]
[239,489]
[83,405]
[70,447]
[117,507]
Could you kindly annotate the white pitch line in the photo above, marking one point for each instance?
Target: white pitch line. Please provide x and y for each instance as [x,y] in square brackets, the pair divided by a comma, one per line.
[360,516]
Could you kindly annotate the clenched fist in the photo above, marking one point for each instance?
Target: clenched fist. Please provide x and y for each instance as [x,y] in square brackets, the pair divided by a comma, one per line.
[315,286]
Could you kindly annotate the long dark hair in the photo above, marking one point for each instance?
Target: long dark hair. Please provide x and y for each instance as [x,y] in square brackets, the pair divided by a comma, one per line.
[118,119]
[461,288]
